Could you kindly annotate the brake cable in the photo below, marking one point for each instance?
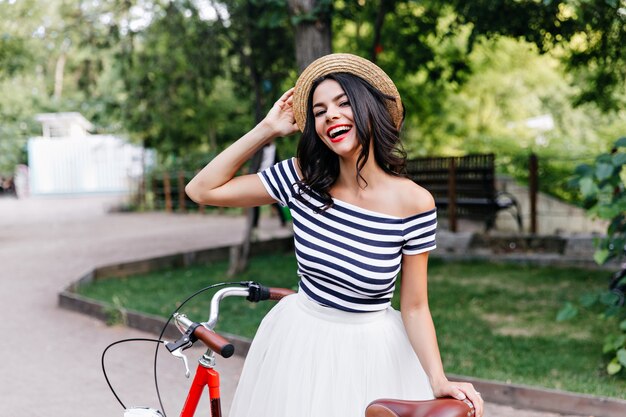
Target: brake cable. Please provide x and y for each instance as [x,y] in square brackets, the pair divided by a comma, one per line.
[160,340]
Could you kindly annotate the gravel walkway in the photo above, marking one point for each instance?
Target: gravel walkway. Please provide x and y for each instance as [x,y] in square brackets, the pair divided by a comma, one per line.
[51,357]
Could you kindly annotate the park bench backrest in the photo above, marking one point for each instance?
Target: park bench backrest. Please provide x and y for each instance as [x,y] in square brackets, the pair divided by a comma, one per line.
[462,186]
[474,176]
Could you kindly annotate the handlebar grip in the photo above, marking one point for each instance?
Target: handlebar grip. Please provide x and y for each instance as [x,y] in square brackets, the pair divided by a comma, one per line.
[278,293]
[214,341]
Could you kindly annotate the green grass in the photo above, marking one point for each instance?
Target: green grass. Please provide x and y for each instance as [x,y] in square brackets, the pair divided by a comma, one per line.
[498,322]
[493,321]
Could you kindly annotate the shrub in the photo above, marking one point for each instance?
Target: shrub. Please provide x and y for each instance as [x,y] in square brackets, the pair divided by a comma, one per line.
[603,188]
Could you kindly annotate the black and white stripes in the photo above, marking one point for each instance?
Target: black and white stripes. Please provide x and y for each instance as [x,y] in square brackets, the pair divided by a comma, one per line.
[348,257]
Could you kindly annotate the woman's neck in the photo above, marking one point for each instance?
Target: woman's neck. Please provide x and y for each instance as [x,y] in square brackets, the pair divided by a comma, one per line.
[348,179]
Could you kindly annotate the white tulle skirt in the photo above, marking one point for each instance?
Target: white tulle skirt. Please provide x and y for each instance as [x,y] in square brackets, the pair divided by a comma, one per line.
[307,360]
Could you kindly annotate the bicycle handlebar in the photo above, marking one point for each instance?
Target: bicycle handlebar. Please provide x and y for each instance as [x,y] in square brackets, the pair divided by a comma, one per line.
[204,331]
[278,293]
[214,341]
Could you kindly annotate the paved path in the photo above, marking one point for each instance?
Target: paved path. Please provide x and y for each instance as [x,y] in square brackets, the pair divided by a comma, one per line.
[51,357]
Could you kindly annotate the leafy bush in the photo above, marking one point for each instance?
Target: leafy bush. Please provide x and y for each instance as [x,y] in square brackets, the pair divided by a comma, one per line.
[603,188]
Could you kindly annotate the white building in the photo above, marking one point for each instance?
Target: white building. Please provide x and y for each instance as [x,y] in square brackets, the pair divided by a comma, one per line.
[67,159]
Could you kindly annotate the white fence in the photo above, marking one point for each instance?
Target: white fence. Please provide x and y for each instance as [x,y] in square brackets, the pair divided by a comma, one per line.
[89,164]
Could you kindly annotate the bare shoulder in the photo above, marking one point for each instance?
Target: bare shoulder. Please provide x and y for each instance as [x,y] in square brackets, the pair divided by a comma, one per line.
[413,198]
[296,163]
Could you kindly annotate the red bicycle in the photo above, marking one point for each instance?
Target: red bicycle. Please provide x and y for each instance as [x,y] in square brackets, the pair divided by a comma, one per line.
[207,376]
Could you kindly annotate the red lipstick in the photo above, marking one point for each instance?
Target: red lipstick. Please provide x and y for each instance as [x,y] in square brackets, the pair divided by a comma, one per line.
[342,136]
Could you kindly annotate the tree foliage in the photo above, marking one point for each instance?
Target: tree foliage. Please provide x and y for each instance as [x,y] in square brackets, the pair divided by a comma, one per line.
[170,77]
[21,83]
[260,48]
[180,66]
[189,76]
[15,43]
[589,33]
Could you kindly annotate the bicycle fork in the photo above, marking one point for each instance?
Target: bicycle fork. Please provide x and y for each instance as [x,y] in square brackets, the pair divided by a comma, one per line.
[206,375]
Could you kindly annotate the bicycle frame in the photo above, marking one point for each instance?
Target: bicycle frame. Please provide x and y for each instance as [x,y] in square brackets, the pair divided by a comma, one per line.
[206,376]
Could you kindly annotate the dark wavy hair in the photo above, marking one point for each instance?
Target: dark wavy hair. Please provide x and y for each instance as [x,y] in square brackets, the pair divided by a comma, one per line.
[320,165]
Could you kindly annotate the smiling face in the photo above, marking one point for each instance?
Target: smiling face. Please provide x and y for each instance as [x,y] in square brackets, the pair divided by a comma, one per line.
[334,120]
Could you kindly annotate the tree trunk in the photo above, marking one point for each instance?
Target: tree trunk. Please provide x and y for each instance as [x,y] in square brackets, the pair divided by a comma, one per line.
[384,7]
[212,130]
[58,76]
[240,255]
[313,40]
[312,29]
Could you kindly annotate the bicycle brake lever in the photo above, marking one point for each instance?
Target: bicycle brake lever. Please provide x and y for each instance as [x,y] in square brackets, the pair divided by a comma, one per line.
[179,354]
[183,343]
[186,340]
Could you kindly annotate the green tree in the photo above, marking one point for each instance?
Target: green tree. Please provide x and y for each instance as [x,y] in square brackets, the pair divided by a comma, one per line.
[22,84]
[15,43]
[510,84]
[169,78]
[589,34]
[259,45]
[63,64]
[172,69]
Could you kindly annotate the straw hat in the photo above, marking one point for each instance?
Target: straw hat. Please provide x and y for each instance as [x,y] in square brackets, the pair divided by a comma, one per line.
[346,63]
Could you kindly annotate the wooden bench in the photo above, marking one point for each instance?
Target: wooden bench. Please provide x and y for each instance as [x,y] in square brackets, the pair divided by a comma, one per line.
[464,187]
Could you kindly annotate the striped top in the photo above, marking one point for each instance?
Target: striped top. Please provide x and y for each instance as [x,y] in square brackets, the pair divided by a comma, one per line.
[348,257]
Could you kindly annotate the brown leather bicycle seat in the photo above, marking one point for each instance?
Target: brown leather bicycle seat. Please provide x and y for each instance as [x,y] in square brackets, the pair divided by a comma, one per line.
[440,407]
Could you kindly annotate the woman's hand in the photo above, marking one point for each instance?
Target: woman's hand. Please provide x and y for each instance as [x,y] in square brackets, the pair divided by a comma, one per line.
[460,391]
[280,119]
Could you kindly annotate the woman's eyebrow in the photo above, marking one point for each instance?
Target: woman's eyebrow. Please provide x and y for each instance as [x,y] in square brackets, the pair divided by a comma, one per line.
[334,99]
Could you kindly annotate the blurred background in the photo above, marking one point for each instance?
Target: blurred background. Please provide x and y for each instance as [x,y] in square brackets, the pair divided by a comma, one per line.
[105,96]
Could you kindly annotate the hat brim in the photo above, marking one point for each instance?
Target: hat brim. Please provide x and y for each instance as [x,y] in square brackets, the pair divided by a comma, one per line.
[345,63]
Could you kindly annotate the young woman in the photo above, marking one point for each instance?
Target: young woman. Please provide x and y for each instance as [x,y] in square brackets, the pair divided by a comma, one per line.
[336,345]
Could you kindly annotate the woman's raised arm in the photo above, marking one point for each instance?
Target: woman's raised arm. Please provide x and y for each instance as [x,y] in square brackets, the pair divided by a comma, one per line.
[216,184]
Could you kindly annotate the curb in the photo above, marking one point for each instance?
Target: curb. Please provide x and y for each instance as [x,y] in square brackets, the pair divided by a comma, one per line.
[545,260]
[136,320]
[514,395]
[546,399]
[70,300]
